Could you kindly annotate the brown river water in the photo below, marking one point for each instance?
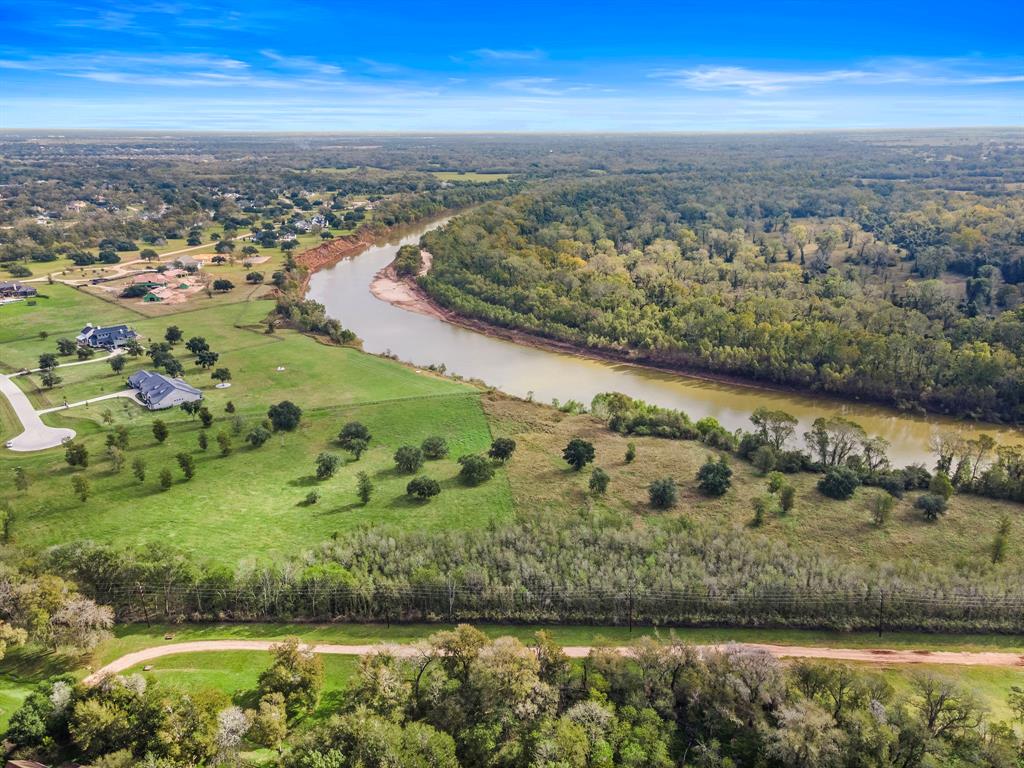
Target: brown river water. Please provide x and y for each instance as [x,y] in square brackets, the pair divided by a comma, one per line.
[522,370]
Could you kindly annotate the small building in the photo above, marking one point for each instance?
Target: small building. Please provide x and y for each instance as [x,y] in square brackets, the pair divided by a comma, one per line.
[15,290]
[159,293]
[25,764]
[158,391]
[109,337]
[149,279]
[188,263]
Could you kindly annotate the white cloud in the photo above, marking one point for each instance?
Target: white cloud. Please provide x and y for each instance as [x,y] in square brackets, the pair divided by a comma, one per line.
[508,55]
[948,72]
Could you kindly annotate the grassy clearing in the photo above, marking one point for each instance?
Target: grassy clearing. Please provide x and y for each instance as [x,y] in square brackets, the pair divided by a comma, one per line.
[542,481]
[472,176]
[249,505]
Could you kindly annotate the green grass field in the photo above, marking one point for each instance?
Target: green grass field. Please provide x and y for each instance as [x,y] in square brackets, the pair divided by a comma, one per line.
[248,505]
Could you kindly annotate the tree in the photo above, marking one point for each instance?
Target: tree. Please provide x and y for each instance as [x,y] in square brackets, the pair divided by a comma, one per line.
[764,459]
[1001,540]
[630,456]
[258,436]
[80,485]
[187,464]
[197,344]
[207,359]
[160,430]
[663,493]
[48,361]
[774,428]
[224,443]
[285,416]
[327,465]
[834,439]
[205,417]
[354,431]
[932,506]
[139,469]
[714,478]
[423,487]
[66,347]
[270,722]
[173,367]
[787,497]
[408,459]
[222,285]
[222,375]
[941,485]
[598,481]
[166,479]
[76,454]
[881,505]
[148,254]
[203,441]
[173,334]
[578,453]
[434,448]
[116,456]
[502,449]
[839,483]
[364,487]
[49,379]
[475,469]
[191,407]
[84,353]
[117,363]
[296,673]
[254,277]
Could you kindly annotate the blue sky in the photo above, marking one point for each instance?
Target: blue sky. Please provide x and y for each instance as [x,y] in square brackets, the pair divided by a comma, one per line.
[268,65]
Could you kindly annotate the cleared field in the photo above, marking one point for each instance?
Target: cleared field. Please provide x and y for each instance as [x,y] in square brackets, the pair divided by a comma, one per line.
[541,480]
[473,176]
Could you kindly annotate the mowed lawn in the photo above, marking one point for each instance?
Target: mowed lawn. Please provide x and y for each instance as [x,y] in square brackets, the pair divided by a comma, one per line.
[249,505]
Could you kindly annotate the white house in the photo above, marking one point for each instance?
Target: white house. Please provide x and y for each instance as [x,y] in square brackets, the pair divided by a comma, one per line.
[158,391]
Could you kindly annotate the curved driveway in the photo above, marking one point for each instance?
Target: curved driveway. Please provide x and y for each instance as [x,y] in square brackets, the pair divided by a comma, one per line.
[37,436]
[866,655]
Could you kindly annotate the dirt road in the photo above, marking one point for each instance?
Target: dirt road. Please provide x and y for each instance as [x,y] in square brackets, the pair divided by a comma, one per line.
[865,655]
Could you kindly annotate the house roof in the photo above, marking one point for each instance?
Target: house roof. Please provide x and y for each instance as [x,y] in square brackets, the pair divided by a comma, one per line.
[155,386]
[111,331]
[149,277]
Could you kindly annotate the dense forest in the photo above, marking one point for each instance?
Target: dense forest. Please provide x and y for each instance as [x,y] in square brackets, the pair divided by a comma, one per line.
[835,276]
[463,699]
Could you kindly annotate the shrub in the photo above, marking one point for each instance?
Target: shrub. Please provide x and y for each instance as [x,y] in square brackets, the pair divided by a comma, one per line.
[423,487]
[354,435]
[941,485]
[286,415]
[502,449]
[408,459]
[776,481]
[326,465]
[881,505]
[434,448]
[764,459]
[598,481]
[578,453]
[839,483]
[932,506]
[187,464]
[222,285]
[663,493]
[787,497]
[311,498]
[364,487]
[258,437]
[630,452]
[714,477]
[475,469]
[166,479]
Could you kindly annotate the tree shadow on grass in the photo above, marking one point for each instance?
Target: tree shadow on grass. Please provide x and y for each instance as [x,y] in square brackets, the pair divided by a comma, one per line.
[306,481]
[407,502]
[352,506]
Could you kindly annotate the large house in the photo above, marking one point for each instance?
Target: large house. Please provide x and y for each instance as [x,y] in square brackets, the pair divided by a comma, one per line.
[16,290]
[109,337]
[157,391]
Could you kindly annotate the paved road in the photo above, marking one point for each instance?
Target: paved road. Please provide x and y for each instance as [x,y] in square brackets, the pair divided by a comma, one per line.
[36,436]
[129,393]
[866,655]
